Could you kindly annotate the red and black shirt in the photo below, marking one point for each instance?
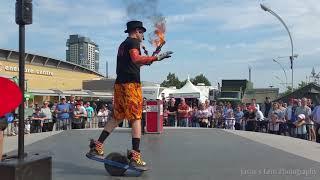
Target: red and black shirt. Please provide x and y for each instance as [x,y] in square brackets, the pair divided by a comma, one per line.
[127,70]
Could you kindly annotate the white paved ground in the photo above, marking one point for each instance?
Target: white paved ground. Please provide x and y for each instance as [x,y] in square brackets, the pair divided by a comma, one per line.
[307,149]
[11,142]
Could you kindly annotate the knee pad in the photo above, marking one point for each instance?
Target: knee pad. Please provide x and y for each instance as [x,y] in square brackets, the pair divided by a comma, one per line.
[3,123]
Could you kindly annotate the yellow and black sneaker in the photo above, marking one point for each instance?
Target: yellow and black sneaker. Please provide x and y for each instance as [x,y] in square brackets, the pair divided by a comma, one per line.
[96,148]
[136,160]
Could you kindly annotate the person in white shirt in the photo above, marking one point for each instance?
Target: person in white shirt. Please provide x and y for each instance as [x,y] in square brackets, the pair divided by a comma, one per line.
[102,116]
[259,119]
[230,121]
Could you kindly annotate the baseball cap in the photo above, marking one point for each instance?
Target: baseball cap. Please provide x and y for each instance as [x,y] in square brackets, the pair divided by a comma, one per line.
[301,116]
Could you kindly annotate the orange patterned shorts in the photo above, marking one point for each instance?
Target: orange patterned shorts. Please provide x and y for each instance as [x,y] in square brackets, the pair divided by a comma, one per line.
[127,101]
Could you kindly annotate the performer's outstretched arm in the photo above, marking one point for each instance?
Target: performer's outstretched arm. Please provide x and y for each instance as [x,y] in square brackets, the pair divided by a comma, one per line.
[138,59]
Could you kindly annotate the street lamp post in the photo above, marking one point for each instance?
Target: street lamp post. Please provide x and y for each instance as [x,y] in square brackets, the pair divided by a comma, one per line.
[265,8]
[284,71]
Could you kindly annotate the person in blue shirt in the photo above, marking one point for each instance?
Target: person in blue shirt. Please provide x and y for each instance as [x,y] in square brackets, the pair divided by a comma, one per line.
[238,115]
[90,114]
[62,110]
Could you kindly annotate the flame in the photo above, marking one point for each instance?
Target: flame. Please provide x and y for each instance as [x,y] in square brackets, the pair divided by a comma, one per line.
[158,34]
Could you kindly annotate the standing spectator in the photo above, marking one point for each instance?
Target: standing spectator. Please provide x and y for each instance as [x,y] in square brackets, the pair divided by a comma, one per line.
[230,120]
[54,115]
[281,116]
[172,112]
[110,108]
[316,119]
[37,121]
[72,102]
[306,111]
[219,115]
[78,117]
[95,107]
[165,115]
[290,117]
[254,103]
[62,111]
[144,115]
[310,104]
[259,120]
[274,124]
[193,116]
[90,114]
[266,107]
[227,110]
[212,109]
[203,115]
[245,117]
[3,126]
[238,115]
[301,127]
[47,123]
[251,121]
[183,109]
[102,116]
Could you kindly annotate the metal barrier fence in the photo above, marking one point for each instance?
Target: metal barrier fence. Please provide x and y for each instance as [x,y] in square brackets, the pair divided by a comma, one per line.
[38,126]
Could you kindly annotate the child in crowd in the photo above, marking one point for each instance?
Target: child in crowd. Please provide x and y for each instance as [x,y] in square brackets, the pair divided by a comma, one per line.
[230,120]
[301,127]
[274,124]
[310,129]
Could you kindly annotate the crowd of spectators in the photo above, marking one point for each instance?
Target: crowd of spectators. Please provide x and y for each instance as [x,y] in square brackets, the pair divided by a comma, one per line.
[299,118]
[63,115]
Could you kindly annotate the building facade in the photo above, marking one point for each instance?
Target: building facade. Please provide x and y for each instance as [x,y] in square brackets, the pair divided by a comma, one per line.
[83,51]
[48,79]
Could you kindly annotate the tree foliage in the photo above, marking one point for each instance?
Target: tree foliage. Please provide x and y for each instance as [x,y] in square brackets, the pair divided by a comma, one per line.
[289,88]
[173,80]
[201,79]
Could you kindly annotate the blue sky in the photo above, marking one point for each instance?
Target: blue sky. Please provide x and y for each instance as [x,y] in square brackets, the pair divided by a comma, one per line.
[219,38]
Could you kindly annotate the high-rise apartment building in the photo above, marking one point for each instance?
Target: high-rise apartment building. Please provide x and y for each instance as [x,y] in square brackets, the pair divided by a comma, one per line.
[81,50]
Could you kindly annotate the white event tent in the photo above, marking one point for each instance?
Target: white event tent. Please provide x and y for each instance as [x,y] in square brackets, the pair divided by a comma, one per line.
[188,91]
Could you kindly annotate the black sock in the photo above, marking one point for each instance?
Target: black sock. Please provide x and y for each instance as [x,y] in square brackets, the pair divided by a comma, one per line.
[103,136]
[135,144]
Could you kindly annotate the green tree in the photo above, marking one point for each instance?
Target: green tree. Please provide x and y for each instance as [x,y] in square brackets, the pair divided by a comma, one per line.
[172,80]
[302,84]
[201,79]
[289,88]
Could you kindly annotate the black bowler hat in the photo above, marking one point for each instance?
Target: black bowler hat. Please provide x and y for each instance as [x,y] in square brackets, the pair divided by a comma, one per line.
[131,25]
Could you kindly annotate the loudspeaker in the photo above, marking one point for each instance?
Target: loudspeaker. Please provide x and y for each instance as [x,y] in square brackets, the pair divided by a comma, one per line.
[32,167]
[24,12]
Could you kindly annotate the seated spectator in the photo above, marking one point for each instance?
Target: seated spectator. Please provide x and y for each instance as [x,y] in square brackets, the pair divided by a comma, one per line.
[301,127]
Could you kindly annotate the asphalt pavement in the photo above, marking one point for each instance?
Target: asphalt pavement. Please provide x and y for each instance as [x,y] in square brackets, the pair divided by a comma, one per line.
[183,154]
